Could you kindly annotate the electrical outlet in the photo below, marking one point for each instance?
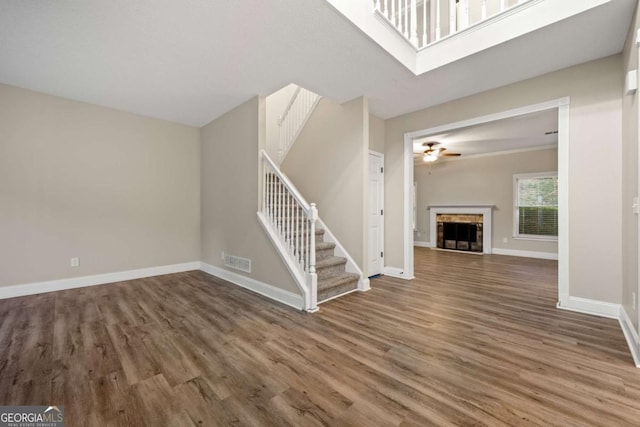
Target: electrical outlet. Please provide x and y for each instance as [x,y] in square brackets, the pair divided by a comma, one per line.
[505,240]
[75,262]
[222,255]
[633,298]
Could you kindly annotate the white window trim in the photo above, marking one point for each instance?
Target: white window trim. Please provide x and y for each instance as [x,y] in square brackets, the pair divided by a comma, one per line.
[516,216]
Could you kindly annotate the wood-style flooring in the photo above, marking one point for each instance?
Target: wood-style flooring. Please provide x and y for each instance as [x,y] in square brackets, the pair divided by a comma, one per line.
[474,340]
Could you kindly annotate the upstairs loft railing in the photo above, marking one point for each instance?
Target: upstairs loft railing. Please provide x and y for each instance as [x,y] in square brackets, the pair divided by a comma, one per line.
[423,22]
[293,223]
[293,119]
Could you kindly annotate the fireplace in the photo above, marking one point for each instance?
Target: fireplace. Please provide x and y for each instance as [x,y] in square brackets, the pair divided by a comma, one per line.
[460,232]
[465,228]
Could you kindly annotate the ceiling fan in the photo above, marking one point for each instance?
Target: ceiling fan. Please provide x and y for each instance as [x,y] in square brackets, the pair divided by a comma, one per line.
[432,154]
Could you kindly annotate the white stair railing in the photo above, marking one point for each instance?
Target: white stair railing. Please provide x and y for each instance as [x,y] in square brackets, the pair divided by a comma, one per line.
[421,23]
[291,224]
[293,119]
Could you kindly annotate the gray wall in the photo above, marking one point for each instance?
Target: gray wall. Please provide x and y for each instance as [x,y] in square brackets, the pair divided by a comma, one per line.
[595,164]
[229,168]
[117,190]
[482,180]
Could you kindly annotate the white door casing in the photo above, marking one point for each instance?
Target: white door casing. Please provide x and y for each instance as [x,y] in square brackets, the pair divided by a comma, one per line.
[376,213]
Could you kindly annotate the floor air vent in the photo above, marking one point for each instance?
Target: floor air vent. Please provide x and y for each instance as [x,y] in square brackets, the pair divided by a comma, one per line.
[237,263]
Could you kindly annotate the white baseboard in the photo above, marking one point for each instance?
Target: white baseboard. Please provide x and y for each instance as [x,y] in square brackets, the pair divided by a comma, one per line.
[286,297]
[396,272]
[630,335]
[364,285]
[589,306]
[525,254]
[422,244]
[98,279]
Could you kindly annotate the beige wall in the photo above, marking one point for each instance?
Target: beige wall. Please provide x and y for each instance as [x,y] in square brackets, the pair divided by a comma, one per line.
[376,134]
[482,180]
[329,165]
[117,190]
[594,166]
[630,179]
[230,195]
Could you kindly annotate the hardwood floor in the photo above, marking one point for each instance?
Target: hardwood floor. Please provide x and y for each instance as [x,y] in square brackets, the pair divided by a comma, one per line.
[474,340]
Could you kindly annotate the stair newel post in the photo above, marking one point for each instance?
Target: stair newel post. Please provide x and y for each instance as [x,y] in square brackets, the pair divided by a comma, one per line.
[313,277]
[265,175]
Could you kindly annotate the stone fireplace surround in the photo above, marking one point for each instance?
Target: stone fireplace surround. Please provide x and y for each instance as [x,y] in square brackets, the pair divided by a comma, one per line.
[484,210]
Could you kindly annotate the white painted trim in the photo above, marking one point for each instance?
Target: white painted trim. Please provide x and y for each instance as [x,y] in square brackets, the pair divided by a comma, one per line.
[515,215]
[98,279]
[264,289]
[381,196]
[525,254]
[407,217]
[630,335]
[422,244]
[485,210]
[593,307]
[397,273]
[563,200]
[563,106]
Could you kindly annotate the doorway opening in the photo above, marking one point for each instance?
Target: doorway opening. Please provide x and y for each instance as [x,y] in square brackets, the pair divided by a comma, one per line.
[561,108]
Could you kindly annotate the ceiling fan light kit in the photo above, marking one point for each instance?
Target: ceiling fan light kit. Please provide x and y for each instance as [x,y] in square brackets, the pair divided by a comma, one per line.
[432,154]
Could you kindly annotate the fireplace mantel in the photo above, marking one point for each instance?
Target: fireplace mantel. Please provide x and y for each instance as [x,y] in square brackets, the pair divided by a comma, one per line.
[485,210]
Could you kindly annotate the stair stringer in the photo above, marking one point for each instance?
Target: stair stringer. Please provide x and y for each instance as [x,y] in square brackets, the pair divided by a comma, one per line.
[351,267]
[288,260]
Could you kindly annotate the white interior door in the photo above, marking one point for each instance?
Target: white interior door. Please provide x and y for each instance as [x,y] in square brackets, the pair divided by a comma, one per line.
[376,213]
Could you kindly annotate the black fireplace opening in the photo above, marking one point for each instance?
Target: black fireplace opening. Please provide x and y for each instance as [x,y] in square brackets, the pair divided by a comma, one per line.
[460,236]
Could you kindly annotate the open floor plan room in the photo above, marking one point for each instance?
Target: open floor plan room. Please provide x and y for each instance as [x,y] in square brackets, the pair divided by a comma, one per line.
[474,340]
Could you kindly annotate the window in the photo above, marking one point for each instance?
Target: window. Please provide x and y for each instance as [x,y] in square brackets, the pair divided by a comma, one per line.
[536,206]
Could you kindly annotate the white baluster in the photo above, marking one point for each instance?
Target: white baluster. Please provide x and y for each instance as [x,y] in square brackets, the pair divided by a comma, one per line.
[406,20]
[438,30]
[503,5]
[484,9]
[386,9]
[465,14]
[424,23]
[399,15]
[452,16]
[414,23]
[377,6]
[393,12]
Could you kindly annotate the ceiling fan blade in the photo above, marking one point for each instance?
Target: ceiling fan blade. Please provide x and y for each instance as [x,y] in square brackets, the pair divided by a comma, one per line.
[451,155]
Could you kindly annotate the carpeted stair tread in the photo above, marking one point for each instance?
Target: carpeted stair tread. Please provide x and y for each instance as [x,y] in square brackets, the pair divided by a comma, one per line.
[330,262]
[338,285]
[324,245]
[338,280]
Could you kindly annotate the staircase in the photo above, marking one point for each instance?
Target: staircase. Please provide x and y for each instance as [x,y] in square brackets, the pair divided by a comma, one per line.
[333,279]
[321,267]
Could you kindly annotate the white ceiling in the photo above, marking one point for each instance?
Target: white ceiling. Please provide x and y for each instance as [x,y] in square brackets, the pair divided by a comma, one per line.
[190,62]
[515,133]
